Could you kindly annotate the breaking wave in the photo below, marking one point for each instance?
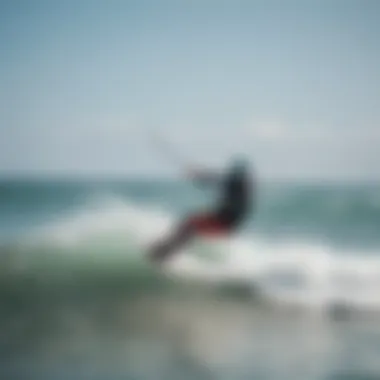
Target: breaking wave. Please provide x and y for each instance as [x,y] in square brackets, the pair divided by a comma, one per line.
[105,242]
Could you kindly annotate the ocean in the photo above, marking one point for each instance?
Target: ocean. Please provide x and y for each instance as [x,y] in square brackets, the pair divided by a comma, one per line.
[294,295]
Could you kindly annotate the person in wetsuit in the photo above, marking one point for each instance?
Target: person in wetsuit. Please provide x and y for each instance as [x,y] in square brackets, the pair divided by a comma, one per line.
[233,207]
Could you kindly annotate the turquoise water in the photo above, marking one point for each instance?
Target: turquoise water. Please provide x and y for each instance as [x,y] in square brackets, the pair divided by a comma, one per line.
[339,214]
[295,295]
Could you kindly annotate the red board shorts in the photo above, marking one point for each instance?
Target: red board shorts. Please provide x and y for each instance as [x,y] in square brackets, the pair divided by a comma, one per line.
[208,224]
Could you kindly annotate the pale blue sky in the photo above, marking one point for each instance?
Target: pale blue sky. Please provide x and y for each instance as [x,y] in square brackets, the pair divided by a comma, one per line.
[294,84]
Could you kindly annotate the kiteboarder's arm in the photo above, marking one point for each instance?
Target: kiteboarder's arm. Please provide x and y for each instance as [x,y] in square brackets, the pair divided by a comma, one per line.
[203,177]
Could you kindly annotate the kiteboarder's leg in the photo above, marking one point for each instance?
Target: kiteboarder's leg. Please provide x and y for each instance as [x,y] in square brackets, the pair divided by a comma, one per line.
[202,224]
[168,247]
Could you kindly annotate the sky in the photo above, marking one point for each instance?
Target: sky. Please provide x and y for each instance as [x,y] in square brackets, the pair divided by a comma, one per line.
[87,86]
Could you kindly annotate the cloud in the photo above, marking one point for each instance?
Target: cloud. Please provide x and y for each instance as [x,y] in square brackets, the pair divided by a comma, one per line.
[311,150]
[267,130]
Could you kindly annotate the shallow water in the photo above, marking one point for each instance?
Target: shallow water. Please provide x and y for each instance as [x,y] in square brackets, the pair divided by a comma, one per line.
[182,335]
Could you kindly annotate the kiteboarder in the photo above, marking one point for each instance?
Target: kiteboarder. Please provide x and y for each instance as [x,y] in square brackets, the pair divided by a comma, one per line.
[237,195]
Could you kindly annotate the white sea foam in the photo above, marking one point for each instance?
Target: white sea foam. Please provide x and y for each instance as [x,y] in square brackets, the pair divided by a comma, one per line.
[306,274]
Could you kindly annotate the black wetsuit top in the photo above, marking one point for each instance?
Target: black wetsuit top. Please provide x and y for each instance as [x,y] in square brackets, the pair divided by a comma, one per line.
[236,198]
